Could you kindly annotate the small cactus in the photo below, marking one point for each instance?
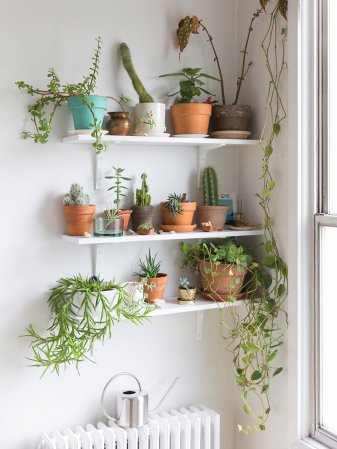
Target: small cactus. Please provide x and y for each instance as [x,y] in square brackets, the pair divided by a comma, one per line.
[210,183]
[76,196]
[143,198]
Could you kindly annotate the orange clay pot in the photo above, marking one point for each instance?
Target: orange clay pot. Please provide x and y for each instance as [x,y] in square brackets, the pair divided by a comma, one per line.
[126,214]
[185,218]
[221,278]
[79,219]
[158,289]
[191,118]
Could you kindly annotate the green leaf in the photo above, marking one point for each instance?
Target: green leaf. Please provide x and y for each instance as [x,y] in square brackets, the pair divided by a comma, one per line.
[268,150]
[239,370]
[246,409]
[240,428]
[276,128]
[172,74]
[281,290]
[210,77]
[277,371]
[272,356]
[269,261]
[256,375]
[268,246]
[264,389]
[262,427]
[267,280]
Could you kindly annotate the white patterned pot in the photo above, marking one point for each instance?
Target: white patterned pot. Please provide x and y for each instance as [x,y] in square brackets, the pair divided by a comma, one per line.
[135,291]
[150,118]
[78,310]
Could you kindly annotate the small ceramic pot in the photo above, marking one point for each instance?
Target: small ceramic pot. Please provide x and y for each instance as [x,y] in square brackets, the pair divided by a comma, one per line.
[146,112]
[78,310]
[143,231]
[141,215]
[79,219]
[185,218]
[119,124]
[154,288]
[231,118]
[187,294]
[223,279]
[82,115]
[191,118]
[214,214]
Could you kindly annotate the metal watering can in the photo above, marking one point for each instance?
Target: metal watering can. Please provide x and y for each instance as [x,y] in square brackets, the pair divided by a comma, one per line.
[132,407]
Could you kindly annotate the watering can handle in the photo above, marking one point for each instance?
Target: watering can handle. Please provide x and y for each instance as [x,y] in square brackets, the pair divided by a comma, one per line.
[106,387]
[165,395]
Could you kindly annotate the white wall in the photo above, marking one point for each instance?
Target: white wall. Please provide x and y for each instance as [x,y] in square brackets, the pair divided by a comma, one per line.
[34,178]
[35,36]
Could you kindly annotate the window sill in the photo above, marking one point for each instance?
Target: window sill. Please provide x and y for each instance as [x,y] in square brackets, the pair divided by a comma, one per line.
[308,443]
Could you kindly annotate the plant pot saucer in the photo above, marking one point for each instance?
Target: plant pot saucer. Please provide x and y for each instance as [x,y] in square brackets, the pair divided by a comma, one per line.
[151,134]
[73,132]
[178,228]
[190,135]
[220,298]
[230,134]
[185,302]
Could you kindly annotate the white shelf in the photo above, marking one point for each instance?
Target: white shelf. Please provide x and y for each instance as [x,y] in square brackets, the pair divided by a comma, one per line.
[171,306]
[167,141]
[159,237]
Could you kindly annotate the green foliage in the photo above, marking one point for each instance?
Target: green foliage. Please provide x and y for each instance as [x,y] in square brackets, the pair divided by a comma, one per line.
[144,96]
[149,267]
[173,203]
[118,186]
[143,198]
[145,226]
[210,187]
[69,337]
[55,94]
[256,335]
[76,196]
[192,84]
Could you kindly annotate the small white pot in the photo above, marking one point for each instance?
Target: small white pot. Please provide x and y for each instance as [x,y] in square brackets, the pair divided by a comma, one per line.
[146,112]
[110,295]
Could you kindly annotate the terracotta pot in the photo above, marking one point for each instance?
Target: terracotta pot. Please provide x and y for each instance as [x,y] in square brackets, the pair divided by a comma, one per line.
[125,214]
[79,219]
[191,118]
[119,124]
[231,118]
[215,214]
[185,218]
[224,281]
[141,215]
[158,289]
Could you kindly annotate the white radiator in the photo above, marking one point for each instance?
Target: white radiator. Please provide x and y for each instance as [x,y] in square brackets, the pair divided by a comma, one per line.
[196,427]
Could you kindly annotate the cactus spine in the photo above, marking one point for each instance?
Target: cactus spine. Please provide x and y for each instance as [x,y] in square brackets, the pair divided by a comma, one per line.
[144,96]
[210,182]
[143,198]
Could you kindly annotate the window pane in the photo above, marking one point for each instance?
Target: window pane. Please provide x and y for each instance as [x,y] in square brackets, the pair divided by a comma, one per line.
[328,328]
[332,106]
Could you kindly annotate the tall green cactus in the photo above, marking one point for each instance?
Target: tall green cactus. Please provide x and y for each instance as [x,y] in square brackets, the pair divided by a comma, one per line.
[143,198]
[144,96]
[210,182]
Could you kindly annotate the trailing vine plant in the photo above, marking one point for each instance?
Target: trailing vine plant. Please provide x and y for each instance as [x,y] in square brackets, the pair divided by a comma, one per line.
[257,334]
[55,94]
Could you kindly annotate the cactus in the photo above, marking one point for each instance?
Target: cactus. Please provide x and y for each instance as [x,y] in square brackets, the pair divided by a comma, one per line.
[76,196]
[143,198]
[210,187]
[144,96]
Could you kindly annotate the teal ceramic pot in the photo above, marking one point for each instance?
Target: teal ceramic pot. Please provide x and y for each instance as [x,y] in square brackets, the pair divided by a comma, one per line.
[82,116]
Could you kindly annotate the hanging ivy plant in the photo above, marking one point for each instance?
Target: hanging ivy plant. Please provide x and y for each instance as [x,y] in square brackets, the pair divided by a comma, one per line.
[257,334]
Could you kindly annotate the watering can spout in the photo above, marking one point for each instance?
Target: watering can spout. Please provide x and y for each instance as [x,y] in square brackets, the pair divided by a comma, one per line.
[165,395]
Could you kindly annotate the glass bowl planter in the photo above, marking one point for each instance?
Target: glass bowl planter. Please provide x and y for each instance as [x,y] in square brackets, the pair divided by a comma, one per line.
[104,227]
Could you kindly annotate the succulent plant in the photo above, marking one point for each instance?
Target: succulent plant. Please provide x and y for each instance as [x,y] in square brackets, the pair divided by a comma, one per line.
[144,96]
[184,283]
[173,203]
[146,226]
[210,186]
[76,196]
[143,198]
[118,186]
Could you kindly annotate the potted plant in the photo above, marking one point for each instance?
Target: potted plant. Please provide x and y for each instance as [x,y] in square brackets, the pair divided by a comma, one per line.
[118,189]
[145,229]
[149,116]
[119,123]
[191,118]
[84,311]
[211,212]
[110,225]
[186,292]
[88,110]
[225,118]
[178,213]
[154,281]
[142,212]
[222,266]
[78,211]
